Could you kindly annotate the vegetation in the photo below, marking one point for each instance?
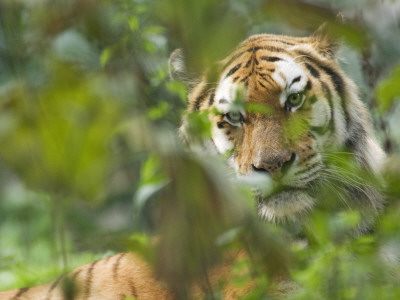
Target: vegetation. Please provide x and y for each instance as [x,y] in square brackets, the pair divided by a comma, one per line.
[91,163]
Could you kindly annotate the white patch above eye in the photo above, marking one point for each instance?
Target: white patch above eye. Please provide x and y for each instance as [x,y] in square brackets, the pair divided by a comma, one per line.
[225,94]
[291,77]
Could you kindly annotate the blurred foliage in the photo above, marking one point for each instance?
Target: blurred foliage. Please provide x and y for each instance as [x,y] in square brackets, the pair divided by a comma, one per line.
[91,163]
[388,90]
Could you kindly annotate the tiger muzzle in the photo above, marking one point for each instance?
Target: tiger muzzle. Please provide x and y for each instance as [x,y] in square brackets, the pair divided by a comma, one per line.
[276,165]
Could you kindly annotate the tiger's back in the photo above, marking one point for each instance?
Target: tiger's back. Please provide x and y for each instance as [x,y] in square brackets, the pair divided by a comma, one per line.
[125,276]
[117,277]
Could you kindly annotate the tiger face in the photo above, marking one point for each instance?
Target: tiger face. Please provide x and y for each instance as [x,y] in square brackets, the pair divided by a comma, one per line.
[283,103]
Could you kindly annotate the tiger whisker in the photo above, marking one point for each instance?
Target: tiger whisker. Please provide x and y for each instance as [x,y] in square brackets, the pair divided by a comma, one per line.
[351,183]
[342,171]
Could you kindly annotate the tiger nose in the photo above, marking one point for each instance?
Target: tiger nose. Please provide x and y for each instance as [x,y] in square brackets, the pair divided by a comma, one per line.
[276,167]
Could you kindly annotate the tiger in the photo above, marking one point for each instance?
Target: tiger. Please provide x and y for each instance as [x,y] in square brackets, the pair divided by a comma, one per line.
[299,83]
[266,85]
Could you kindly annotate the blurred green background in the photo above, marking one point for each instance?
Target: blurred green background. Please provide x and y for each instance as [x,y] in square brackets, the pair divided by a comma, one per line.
[90,157]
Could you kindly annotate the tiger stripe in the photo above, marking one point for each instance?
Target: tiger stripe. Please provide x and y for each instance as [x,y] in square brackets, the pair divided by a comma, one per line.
[75,275]
[312,174]
[89,280]
[307,169]
[269,48]
[233,58]
[271,58]
[308,86]
[239,52]
[233,70]
[116,265]
[211,101]
[245,79]
[20,292]
[260,83]
[200,101]
[54,285]
[267,78]
[314,72]
[297,79]
[336,80]
[133,290]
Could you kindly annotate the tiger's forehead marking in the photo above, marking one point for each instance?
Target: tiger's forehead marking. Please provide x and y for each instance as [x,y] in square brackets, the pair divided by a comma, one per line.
[225,94]
[272,71]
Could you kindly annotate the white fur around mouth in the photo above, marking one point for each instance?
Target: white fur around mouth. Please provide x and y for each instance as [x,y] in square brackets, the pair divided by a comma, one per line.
[277,203]
[288,205]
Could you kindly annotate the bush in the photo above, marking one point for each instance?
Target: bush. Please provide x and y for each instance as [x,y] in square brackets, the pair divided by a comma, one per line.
[91,162]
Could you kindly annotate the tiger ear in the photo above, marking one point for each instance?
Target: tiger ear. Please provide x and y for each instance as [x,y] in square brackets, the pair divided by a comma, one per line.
[177,65]
[178,69]
[325,44]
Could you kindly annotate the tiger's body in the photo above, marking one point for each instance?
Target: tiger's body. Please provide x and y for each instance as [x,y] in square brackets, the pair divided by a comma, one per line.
[267,86]
[116,277]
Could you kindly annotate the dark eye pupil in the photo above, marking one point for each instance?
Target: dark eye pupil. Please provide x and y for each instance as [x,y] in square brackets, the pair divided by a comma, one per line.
[295,99]
[234,116]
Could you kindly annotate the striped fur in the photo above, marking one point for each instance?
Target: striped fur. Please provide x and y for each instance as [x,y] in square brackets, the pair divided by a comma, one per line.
[114,278]
[283,144]
[124,276]
[287,146]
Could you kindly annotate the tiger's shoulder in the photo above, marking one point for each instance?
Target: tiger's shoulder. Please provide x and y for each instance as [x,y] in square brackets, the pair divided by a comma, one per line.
[121,276]
[125,276]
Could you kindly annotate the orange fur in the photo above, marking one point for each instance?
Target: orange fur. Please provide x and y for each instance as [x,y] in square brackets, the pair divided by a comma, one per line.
[121,276]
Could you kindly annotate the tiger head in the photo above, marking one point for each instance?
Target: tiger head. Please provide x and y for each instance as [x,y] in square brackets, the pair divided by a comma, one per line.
[283,106]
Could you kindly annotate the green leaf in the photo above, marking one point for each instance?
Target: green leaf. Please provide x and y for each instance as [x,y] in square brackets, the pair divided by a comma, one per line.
[388,90]
[150,169]
[258,108]
[177,88]
[159,111]
[61,134]
[106,55]
[141,244]
[133,23]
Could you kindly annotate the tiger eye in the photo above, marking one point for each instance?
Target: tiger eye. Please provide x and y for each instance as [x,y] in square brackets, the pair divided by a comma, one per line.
[295,99]
[234,118]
